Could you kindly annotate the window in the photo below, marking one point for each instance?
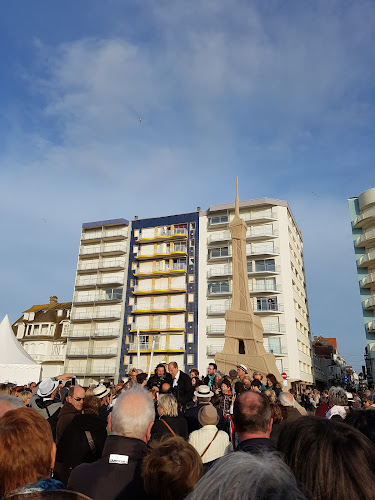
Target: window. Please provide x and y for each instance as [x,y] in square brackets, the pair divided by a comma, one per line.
[130,320]
[179,247]
[191,297]
[192,226]
[218,287]
[190,359]
[192,242]
[265,265]
[267,304]
[191,278]
[220,219]
[219,252]
[190,338]
[36,329]
[131,301]
[190,317]
[136,233]
[241,347]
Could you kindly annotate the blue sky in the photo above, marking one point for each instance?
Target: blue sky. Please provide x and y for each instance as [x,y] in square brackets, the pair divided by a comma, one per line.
[279,93]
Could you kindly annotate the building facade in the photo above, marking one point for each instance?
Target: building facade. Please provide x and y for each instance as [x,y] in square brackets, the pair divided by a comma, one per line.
[362,217]
[162,291]
[43,331]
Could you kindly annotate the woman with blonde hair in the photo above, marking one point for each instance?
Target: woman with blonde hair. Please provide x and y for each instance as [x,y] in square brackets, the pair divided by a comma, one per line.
[168,423]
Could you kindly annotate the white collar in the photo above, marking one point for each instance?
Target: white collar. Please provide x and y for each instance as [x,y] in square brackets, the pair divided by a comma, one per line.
[175,380]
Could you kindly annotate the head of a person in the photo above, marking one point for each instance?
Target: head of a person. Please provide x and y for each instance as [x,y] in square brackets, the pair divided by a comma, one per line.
[286,399]
[226,386]
[252,415]
[271,380]
[133,414]
[8,402]
[133,374]
[173,368]
[194,372]
[167,405]
[25,396]
[233,374]
[327,473]
[211,370]
[364,421]
[203,394]
[241,371]
[196,381]
[142,378]
[218,377]
[171,469]
[76,396]
[276,414]
[257,477]
[32,386]
[4,389]
[165,388]
[366,402]
[91,405]
[246,380]
[208,415]
[160,370]
[257,376]
[367,393]
[337,396]
[47,388]
[270,395]
[256,385]
[27,450]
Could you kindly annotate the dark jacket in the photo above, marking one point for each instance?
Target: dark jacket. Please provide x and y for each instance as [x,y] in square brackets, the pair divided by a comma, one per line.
[156,381]
[184,391]
[191,416]
[67,413]
[103,480]
[48,409]
[74,449]
[256,446]
[177,424]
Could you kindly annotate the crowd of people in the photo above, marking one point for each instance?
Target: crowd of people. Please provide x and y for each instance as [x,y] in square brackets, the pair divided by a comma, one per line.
[176,435]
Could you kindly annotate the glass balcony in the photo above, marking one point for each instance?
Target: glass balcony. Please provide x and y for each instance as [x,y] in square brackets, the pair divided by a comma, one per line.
[165,234]
[158,289]
[109,234]
[261,234]
[264,287]
[112,264]
[270,328]
[218,221]
[220,253]
[163,308]
[259,217]
[257,250]
[161,269]
[276,350]
[158,327]
[366,260]
[89,266]
[97,297]
[268,308]
[216,329]
[369,304]
[368,281]
[163,252]
[43,358]
[97,333]
[367,217]
[211,349]
[99,281]
[262,268]
[213,238]
[219,271]
[365,239]
[96,315]
[217,309]
[171,347]
[219,288]
[370,326]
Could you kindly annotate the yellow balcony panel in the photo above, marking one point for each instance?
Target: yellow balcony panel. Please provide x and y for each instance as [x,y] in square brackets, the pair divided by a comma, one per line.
[157,291]
[157,310]
[175,234]
[178,328]
[160,272]
[162,255]
[146,348]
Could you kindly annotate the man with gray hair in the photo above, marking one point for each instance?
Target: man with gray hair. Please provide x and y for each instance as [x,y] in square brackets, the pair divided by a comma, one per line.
[8,402]
[118,473]
[287,404]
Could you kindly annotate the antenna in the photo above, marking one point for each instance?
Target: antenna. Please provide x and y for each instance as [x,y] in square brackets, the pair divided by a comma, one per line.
[237,202]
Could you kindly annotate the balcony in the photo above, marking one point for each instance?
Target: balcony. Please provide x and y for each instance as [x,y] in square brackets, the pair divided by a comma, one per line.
[218,221]
[264,288]
[110,234]
[270,328]
[369,304]
[115,265]
[97,370]
[261,234]
[104,333]
[214,238]
[365,239]
[276,350]
[176,251]
[219,271]
[211,350]
[164,308]
[165,235]
[96,315]
[44,358]
[158,290]
[265,308]
[92,250]
[368,281]
[216,329]
[220,253]
[147,347]
[264,250]
[94,298]
[99,281]
[161,270]
[367,217]
[219,289]
[265,269]
[217,310]
[370,327]
[366,260]
[158,328]
[260,217]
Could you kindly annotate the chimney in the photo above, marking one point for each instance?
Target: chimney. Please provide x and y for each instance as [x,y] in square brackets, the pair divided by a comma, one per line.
[53,300]
[136,217]
[198,209]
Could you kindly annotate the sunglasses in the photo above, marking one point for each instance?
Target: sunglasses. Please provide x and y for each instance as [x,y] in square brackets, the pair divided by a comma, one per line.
[79,399]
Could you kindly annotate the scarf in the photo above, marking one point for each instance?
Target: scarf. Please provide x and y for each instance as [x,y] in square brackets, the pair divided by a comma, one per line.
[40,485]
[211,379]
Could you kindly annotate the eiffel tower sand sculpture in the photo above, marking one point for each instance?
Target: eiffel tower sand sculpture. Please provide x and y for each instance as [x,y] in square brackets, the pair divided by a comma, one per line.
[243,331]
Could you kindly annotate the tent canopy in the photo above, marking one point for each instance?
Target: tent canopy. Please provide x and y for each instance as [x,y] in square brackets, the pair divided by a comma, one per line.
[16,365]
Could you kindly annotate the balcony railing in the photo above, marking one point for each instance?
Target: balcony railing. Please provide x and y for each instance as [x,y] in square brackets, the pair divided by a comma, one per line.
[217,309]
[112,233]
[366,259]
[157,307]
[219,289]
[213,349]
[370,327]
[276,350]
[367,214]
[369,303]
[100,297]
[261,249]
[98,370]
[96,315]
[268,308]
[96,249]
[159,288]
[103,280]
[163,268]
[166,233]
[157,327]
[225,236]
[367,237]
[157,347]
[261,233]
[219,271]
[105,332]
[215,329]
[273,328]
[42,358]
[367,280]
[103,351]
[265,268]
[264,288]
[260,216]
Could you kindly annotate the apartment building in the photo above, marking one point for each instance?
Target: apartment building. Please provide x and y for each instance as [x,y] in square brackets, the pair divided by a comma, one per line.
[155,290]
[98,302]
[276,282]
[362,217]
[161,303]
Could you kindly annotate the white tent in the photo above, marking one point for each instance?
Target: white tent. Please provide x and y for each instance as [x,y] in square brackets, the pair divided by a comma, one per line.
[15,364]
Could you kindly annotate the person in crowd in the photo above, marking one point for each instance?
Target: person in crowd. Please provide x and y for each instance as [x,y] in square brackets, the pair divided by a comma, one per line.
[287,404]
[4,389]
[103,393]
[8,402]
[357,403]
[259,376]
[182,388]
[209,442]
[27,453]
[64,390]
[368,394]
[82,440]
[233,376]
[241,372]
[337,401]
[43,403]
[368,403]
[171,469]
[72,407]
[246,381]
[270,395]
[364,421]
[160,376]
[142,379]
[168,422]
[194,372]
[277,418]
[196,382]
[25,396]
[256,385]
[253,422]
[165,388]
[133,374]
[117,473]
[240,476]
[209,379]
[32,386]
[330,459]
[203,395]
[322,408]
[273,384]
[225,397]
